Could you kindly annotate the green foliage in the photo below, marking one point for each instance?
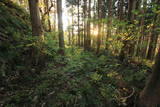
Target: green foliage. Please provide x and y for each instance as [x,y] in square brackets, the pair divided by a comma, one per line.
[85,80]
[21,54]
[13,18]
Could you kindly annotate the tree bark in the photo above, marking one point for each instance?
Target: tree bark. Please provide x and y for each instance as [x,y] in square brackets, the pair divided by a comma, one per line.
[99,26]
[120,9]
[154,37]
[54,5]
[85,23]
[48,14]
[72,26]
[150,95]
[142,33]
[60,27]
[109,23]
[78,24]
[88,27]
[35,18]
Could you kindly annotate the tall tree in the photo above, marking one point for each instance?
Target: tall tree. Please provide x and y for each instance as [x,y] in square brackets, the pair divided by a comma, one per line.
[109,23]
[120,9]
[150,95]
[99,26]
[48,13]
[88,36]
[141,51]
[154,38]
[60,27]
[131,7]
[35,18]
[85,16]
[54,16]
[73,35]
[78,22]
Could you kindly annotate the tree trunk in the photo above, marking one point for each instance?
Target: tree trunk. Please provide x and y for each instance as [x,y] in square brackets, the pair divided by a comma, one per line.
[72,26]
[150,95]
[35,18]
[99,26]
[131,18]
[88,27]
[60,27]
[78,24]
[109,23]
[120,9]
[142,32]
[131,7]
[69,37]
[54,5]
[85,30]
[48,14]
[154,38]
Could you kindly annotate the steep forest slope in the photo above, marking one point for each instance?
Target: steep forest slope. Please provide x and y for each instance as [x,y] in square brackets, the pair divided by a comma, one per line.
[15,32]
[13,19]
[14,28]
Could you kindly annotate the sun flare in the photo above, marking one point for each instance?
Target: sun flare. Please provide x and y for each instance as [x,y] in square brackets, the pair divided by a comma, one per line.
[94,32]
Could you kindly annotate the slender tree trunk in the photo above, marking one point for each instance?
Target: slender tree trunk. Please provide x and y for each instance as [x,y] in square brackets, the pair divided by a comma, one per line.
[94,41]
[120,9]
[142,34]
[131,18]
[131,7]
[152,45]
[154,38]
[85,31]
[109,23]
[88,27]
[103,38]
[35,18]
[60,27]
[69,37]
[82,38]
[120,14]
[72,26]
[99,26]
[78,24]
[48,14]
[54,5]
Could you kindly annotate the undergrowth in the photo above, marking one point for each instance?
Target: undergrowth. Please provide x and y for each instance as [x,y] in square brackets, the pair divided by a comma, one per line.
[85,80]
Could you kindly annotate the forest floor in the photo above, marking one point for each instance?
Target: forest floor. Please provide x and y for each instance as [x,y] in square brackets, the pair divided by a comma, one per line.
[81,80]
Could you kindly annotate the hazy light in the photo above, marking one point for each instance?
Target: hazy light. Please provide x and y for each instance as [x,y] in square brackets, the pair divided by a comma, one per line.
[95,32]
[66,17]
